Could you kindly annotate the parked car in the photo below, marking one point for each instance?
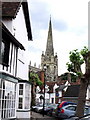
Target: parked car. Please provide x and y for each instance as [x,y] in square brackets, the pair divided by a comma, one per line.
[64,103]
[70,110]
[86,117]
[40,107]
[48,108]
[54,112]
[34,107]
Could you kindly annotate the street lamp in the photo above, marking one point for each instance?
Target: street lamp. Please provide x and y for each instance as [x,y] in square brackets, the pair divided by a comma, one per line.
[44,68]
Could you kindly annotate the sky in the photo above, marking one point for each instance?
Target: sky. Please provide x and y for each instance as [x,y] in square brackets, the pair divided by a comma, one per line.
[69,27]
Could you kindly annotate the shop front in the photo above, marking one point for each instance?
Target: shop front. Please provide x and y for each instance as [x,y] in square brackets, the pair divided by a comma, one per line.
[7,96]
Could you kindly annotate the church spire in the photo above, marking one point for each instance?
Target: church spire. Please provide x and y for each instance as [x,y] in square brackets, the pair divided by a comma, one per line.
[49,46]
[49,59]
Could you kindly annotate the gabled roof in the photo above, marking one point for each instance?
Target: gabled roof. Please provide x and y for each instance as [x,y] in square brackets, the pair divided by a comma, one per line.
[10,9]
[51,85]
[61,87]
[72,91]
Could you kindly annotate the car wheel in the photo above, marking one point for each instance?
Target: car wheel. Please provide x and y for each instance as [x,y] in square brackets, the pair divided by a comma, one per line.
[49,113]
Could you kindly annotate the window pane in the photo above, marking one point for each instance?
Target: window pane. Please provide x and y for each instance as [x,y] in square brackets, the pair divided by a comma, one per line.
[8,99]
[71,108]
[27,90]
[20,106]
[0,93]
[20,89]
[0,104]
[5,46]
[27,96]
[20,92]
[20,86]
[27,103]
[20,100]
[0,83]
[0,114]
[2,49]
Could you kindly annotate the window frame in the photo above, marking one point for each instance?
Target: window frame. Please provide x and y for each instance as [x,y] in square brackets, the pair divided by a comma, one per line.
[69,108]
[8,99]
[21,96]
[24,96]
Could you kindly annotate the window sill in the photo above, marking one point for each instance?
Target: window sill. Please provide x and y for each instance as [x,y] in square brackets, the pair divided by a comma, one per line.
[23,110]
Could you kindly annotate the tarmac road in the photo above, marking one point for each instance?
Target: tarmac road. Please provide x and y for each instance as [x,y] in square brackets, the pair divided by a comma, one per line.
[37,116]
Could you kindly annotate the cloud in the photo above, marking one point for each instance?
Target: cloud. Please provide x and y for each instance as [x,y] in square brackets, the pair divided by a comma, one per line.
[39,12]
[70,28]
[60,25]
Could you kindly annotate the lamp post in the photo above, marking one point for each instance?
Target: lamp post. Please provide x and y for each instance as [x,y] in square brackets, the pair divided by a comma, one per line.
[44,89]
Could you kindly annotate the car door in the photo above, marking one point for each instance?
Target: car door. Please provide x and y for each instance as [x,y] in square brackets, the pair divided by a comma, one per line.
[70,110]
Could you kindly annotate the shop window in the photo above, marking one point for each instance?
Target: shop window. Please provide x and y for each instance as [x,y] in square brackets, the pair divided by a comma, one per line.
[7,99]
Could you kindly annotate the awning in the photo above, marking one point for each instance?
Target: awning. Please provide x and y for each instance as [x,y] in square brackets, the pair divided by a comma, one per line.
[8,77]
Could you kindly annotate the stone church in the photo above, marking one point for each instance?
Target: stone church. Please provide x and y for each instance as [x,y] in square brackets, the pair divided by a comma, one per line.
[48,58]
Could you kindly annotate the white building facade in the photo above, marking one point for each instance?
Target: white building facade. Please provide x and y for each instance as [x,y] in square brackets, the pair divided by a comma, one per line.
[50,94]
[15,89]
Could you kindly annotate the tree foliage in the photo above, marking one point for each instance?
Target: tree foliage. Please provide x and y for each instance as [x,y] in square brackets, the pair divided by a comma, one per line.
[34,78]
[77,58]
[65,77]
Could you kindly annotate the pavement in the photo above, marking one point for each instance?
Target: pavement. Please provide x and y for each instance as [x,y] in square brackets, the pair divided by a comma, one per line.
[37,116]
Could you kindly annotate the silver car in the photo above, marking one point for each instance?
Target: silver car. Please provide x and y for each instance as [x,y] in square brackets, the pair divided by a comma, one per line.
[87,117]
[70,110]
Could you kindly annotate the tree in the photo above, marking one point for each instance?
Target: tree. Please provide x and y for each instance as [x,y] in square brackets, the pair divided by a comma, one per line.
[76,60]
[33,77]
[35,81]
[66,77]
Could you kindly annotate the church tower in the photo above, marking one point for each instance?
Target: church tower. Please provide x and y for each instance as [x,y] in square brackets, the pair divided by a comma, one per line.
[49,59]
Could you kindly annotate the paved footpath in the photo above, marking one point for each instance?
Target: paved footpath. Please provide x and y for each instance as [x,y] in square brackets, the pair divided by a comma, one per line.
[37,116]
